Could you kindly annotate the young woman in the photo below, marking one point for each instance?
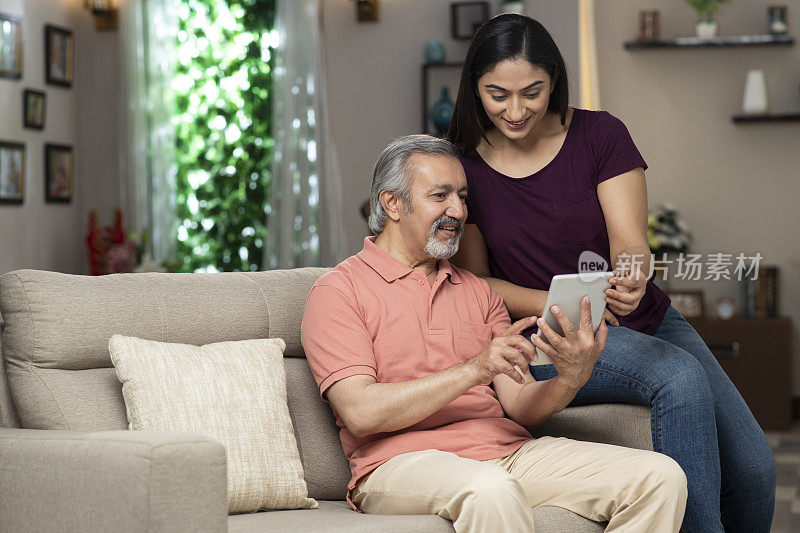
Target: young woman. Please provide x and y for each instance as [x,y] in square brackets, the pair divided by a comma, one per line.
[547,183]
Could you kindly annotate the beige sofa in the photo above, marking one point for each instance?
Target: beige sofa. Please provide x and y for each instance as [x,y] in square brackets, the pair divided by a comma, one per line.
[68,463]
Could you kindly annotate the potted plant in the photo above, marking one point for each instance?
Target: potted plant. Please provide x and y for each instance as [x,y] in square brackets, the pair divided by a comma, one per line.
[667,234]
[706,27]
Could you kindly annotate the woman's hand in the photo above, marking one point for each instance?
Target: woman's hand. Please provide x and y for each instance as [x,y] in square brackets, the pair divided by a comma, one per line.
[609,317]
[628,293]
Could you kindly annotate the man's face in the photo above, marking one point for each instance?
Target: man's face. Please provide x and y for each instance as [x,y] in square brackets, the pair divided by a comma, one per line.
[434,220]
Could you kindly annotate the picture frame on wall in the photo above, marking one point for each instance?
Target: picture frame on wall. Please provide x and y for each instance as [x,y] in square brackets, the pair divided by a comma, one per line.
[12,172]
[10,47]
[33,109]
[466,18]
[59,46]
[59,173]
[688,303]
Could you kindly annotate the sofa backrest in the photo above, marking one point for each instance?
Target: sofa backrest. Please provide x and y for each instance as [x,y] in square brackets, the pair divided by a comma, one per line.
[55,346]
[8,413]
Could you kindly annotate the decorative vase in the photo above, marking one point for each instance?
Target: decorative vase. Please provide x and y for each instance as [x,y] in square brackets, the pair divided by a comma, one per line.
[706,29]
[442,112]
[649,26]
[434,52]
[776,20]
[512,6]
[756,98]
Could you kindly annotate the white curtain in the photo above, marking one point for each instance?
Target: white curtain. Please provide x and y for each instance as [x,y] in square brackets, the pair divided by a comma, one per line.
[304,217]
[147,187]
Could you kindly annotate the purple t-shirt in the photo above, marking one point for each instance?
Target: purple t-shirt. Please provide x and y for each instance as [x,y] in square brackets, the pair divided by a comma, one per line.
[537,226]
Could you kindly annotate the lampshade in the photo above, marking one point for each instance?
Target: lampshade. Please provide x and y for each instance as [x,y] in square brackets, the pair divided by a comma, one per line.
[99,6]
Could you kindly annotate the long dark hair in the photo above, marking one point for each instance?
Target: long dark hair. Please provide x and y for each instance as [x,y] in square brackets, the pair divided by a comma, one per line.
[504,37]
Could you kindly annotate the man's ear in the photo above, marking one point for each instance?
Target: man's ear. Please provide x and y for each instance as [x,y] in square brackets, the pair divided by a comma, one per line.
[392,204]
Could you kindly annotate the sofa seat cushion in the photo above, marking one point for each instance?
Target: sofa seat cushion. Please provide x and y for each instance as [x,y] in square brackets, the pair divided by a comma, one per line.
[233,392]
[338,517]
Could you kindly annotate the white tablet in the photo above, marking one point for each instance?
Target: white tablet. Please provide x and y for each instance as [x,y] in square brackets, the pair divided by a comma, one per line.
[566,291]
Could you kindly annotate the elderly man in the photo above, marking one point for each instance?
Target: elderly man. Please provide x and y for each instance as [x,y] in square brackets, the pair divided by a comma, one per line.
[429,380]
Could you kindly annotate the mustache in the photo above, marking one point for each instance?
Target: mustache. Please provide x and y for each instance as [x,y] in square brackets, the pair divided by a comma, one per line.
[444,219]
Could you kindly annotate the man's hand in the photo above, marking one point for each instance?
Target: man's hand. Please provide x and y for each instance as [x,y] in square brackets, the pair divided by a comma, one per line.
[503,353]
[575,353]
[628,293]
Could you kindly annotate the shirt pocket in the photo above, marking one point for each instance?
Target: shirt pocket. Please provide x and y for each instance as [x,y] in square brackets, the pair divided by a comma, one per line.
[578,222]
[471,339]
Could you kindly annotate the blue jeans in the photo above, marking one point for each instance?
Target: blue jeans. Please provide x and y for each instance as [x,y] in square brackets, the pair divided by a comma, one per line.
[698,418]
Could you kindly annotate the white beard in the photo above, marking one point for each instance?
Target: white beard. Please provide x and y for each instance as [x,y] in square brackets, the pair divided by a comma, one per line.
[443,250]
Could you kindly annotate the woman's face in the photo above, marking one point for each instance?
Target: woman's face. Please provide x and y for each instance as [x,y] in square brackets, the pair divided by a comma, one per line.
[515,95]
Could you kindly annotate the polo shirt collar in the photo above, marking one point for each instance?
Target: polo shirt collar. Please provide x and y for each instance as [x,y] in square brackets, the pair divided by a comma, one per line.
[446,268]
[390,268]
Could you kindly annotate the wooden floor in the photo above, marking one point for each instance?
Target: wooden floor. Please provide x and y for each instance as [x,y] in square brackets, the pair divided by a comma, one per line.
[786,448]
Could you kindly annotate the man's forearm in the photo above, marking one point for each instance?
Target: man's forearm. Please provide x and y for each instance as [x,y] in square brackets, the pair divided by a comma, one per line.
[538,400]
[394,406]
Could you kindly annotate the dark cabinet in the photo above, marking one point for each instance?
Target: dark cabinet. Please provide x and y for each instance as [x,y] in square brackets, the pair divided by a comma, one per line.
[756,355]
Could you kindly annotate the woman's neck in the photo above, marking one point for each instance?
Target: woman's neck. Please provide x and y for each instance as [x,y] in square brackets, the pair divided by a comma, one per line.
[529,155]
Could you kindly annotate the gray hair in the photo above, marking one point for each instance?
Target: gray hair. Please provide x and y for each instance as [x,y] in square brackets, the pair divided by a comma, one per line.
[391,172]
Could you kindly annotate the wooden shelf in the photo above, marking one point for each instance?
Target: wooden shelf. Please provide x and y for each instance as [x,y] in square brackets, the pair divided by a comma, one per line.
[767,117]
[426,68]
[717,42]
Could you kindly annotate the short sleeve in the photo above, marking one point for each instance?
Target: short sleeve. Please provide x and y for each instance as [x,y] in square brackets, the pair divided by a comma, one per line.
[614,150]
[335,338]
[497,317]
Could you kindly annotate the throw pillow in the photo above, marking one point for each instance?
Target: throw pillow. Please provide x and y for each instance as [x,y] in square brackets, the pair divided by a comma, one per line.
[233,392]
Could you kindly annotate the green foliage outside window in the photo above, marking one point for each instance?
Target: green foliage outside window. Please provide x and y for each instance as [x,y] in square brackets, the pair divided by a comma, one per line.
[223,129]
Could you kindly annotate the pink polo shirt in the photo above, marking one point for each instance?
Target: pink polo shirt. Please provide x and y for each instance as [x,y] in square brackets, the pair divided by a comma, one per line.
[372,315]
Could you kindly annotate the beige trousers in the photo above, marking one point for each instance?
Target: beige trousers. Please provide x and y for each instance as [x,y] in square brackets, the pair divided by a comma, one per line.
[633,490]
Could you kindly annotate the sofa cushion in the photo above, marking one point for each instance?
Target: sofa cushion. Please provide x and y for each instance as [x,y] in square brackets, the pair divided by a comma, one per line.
[338,517]
[233,392]
[8,413]
[326,469]
[57,326]
[285,293]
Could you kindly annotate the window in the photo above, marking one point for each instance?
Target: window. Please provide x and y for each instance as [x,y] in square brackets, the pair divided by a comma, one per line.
[223,95]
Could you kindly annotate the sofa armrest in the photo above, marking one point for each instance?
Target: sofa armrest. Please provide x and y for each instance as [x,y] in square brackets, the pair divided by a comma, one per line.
[610,423]
[111,481]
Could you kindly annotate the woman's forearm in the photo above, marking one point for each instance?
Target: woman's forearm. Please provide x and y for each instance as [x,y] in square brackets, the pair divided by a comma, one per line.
[521,302]
[630,257]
